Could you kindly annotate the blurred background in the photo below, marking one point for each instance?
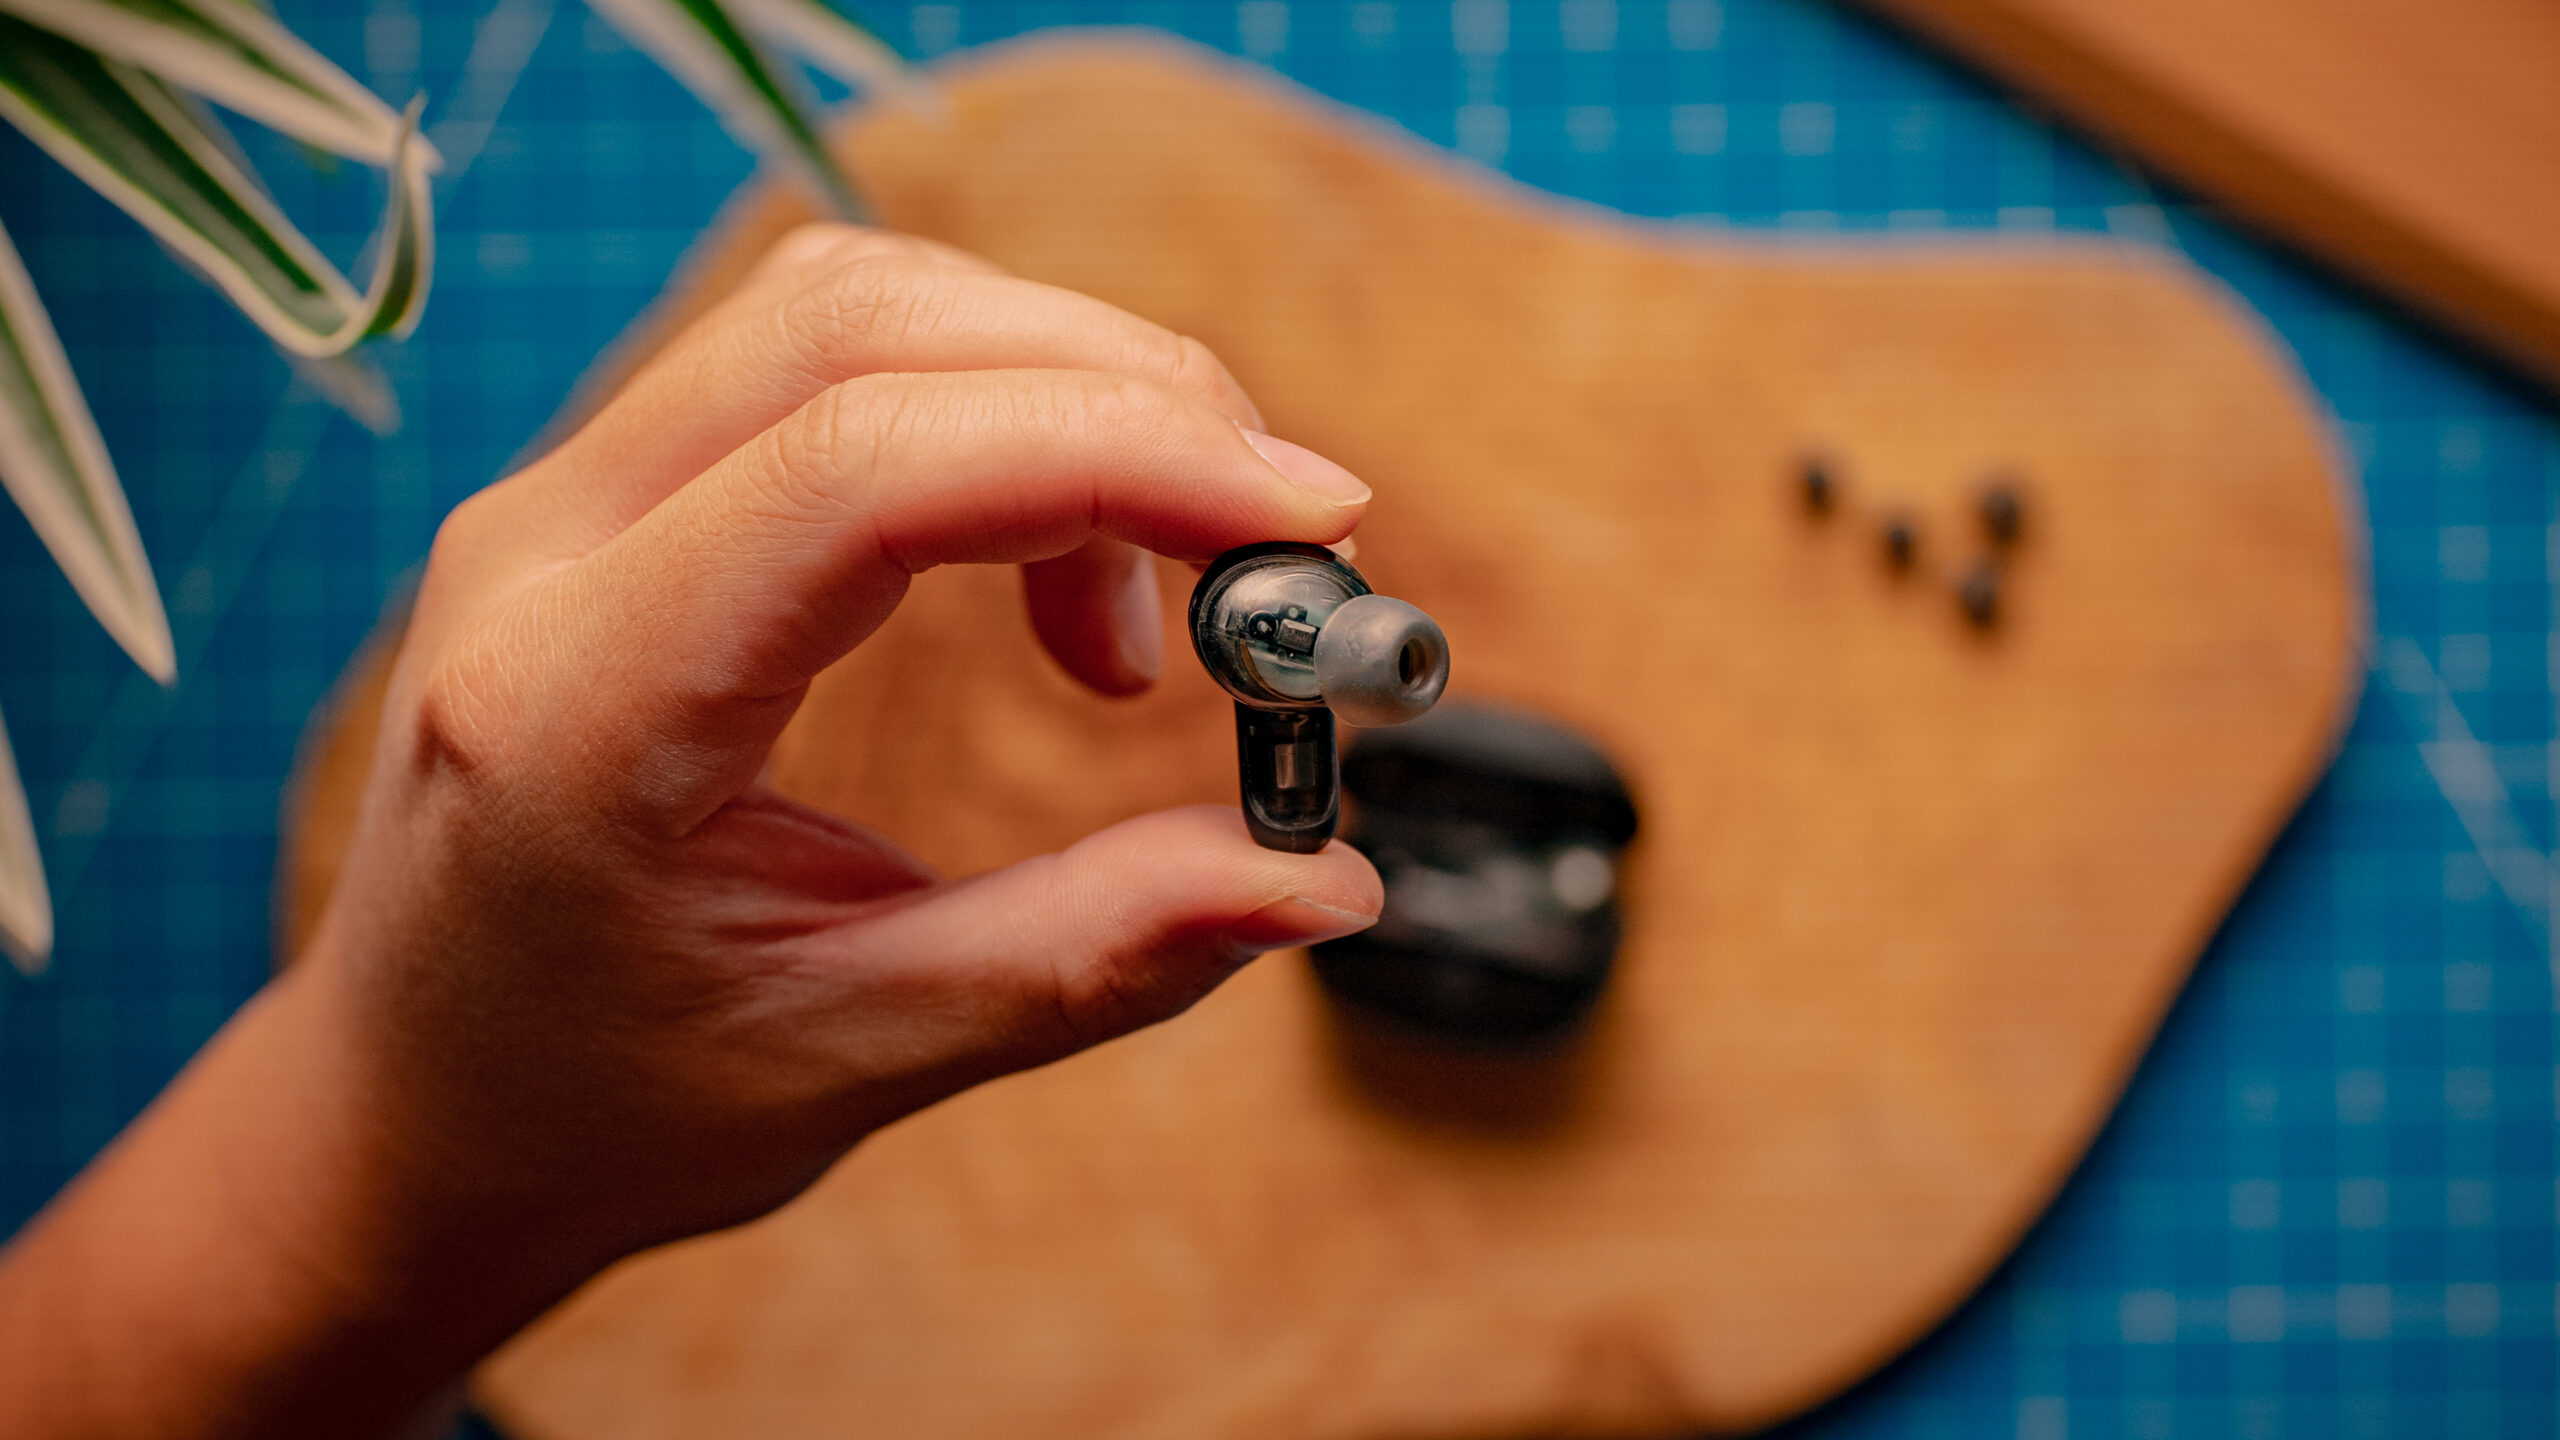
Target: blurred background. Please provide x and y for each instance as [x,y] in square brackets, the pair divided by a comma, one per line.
[2327,1204]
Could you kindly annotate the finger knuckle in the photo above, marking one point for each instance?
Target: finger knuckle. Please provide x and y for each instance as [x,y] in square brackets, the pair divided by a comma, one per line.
[872,304]
[1120,406]
[799,454]
[1142,972]
[827,466]
[870,420]
[1197,370]
[1114,995]
[462,730]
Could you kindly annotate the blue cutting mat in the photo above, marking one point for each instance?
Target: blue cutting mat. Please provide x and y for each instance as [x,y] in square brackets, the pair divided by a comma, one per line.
[2327,1206]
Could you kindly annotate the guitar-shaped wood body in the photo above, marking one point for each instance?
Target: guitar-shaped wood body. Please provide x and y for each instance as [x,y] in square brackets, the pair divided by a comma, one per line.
[1909,898]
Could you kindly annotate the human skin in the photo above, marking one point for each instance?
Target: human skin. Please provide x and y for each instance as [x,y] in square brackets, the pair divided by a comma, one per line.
[586,985]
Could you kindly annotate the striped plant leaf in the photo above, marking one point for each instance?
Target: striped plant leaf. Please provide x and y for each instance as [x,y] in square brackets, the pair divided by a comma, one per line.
[353,382]
[722,58]
[26,915]
[238,56]
[55,465]
[164,160]
[831,40]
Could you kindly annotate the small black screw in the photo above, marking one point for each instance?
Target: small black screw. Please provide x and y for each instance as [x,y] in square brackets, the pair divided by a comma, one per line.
[2003,513]
[1979,594]
[1901,542]
[1821,491]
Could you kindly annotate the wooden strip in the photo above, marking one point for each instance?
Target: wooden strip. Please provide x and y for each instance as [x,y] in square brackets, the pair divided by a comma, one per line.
[2414,147]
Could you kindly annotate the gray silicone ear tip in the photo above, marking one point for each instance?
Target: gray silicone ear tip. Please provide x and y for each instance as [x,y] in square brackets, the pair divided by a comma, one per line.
[1380,661]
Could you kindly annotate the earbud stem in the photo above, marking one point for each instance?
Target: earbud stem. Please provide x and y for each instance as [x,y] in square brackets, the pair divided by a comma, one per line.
[1292,790]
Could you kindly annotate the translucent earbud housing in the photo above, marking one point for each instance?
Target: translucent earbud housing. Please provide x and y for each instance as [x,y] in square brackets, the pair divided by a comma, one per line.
[1295,635]
[1257,614]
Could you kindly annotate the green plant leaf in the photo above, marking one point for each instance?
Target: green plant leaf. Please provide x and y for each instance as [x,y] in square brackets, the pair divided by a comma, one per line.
[726,67]
[238,56]
[831,40]
[55,465]
[26,915]
[161,158]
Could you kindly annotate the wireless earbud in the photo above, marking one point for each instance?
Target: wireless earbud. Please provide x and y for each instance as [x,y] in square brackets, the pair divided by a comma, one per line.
[1295,635]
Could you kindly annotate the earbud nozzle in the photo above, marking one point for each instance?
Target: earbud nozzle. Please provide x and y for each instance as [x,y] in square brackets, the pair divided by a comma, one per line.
[1380,661]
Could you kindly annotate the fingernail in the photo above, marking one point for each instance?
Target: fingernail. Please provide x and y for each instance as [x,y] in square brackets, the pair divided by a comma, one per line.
[1292,922]
[1137,621]
[1308,470]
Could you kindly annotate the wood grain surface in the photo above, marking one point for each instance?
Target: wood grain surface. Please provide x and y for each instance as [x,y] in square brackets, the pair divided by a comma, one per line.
[1908,903]
[2414,147]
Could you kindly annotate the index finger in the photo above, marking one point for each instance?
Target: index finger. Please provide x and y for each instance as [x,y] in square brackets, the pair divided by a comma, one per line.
[674,654]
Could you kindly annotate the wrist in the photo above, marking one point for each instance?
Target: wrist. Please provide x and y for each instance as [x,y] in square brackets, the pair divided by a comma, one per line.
[264,1251]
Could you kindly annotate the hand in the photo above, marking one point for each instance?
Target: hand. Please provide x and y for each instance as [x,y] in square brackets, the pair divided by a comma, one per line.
[586,985]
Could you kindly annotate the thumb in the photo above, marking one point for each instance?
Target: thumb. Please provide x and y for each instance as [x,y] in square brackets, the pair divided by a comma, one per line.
[1129,926]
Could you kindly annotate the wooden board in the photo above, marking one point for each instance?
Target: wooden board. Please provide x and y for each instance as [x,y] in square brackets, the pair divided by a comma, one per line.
[2415,147]
[1907,906]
